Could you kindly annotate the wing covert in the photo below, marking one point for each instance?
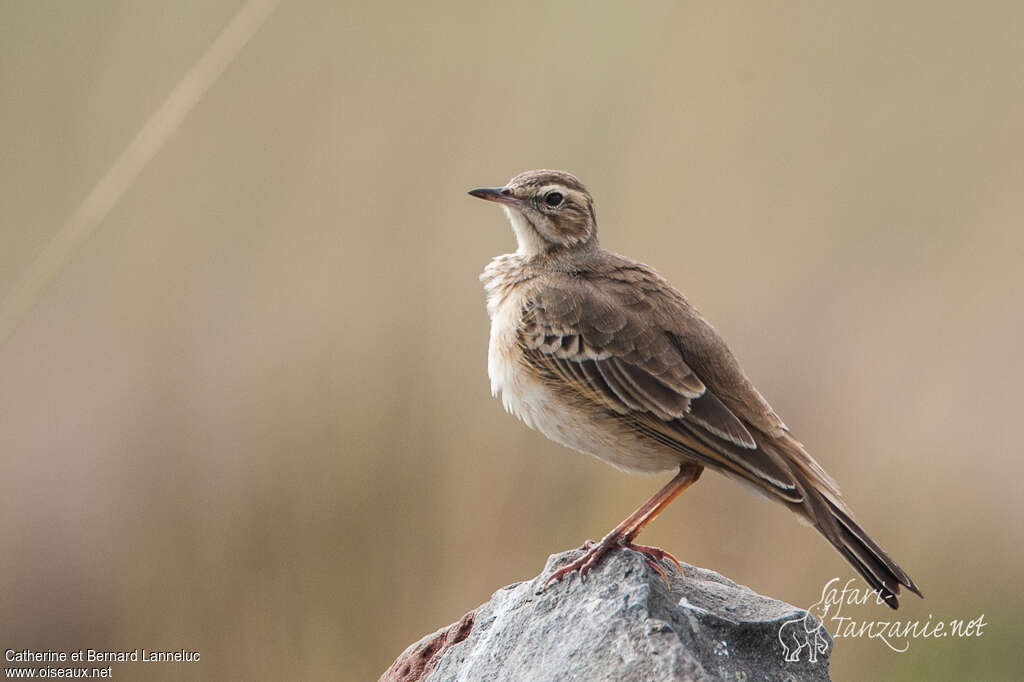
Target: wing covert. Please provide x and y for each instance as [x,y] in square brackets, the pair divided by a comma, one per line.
[606,349]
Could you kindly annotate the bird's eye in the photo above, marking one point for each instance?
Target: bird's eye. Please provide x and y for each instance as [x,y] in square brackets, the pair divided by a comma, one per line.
[553,198]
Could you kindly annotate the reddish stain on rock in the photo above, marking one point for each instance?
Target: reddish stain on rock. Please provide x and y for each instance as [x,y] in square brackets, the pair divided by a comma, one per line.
[416,662]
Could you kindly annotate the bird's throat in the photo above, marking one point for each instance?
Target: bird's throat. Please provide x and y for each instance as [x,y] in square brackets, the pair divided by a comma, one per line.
[530,242]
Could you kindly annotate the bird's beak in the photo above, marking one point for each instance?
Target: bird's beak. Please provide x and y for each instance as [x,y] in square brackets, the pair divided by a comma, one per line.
[501,195]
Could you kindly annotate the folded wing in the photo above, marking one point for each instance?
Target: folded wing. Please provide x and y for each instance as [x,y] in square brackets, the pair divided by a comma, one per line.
[605,347]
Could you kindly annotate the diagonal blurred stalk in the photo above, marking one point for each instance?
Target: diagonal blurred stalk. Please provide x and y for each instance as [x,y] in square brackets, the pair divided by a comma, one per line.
[119,177]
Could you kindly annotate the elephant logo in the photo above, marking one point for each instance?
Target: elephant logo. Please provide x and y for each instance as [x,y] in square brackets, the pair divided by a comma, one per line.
[802,633]
[806,632]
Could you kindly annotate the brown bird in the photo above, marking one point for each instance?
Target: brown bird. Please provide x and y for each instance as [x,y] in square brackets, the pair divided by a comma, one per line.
[601,354]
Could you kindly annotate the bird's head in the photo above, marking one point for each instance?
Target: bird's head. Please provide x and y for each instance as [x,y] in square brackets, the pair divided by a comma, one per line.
[550,211]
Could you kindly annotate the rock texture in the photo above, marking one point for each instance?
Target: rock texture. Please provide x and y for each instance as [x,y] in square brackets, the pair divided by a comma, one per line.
[623,624]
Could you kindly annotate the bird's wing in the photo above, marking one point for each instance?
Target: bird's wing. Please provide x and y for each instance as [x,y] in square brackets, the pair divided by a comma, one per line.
[605,344]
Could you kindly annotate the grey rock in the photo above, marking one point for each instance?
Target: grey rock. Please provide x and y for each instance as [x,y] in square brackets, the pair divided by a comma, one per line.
[624,624]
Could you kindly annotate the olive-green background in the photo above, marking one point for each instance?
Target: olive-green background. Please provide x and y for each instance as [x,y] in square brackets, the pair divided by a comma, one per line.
[251,415]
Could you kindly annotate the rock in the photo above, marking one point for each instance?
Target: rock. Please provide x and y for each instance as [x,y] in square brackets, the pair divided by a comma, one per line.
[419,658]
[623,624]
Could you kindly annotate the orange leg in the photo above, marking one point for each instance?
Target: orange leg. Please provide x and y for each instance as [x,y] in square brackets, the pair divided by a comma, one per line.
[622,535]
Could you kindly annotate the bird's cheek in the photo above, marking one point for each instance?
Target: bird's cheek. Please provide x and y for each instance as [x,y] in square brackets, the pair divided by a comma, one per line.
[550,230]
[573,232]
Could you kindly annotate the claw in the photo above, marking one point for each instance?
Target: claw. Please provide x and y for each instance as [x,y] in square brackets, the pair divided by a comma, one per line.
[596,550]
[661,571]
[659,554]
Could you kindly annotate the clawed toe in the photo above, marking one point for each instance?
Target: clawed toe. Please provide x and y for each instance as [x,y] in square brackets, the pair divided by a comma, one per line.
[661,571]
[564,570]
[658,554]
[595,551]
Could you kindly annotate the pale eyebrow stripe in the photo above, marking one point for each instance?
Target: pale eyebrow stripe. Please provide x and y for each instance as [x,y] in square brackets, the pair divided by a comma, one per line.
[126,168]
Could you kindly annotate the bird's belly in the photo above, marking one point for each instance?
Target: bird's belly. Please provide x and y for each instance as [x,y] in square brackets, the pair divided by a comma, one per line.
[594,432]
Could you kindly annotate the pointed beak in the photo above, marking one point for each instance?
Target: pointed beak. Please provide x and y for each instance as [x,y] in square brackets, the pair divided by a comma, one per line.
[501,195]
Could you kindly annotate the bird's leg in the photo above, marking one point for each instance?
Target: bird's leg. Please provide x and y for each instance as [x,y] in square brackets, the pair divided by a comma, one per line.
[622,535]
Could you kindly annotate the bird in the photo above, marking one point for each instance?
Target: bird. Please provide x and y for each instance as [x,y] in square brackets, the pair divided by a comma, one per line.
[601,354]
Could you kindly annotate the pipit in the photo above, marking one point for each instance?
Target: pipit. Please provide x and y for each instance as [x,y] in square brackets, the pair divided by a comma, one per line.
[601,354]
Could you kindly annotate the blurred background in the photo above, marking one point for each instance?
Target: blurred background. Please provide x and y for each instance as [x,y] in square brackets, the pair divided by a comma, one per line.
[249,413]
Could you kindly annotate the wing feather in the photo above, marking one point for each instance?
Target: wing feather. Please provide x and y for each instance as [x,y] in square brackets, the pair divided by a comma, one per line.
[604,346]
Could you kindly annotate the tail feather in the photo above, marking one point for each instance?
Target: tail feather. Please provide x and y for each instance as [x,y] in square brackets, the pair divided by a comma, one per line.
[780,468]
[824,507]
[870,560]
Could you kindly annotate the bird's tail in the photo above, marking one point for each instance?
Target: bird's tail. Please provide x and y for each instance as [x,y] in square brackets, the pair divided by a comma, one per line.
[823,506]
[876,567]
[780,468]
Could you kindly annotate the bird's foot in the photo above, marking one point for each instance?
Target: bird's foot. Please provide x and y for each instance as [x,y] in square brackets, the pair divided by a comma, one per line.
[655,554]
[596,550]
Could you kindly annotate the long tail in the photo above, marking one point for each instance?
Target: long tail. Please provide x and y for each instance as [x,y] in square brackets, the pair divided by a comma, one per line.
[824,507]
[875,566]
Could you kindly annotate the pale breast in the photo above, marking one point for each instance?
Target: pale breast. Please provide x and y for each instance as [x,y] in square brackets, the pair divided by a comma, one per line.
[524,394]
